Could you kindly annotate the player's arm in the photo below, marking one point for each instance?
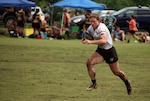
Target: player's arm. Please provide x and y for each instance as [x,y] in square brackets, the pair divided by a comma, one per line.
[102,40]
[24,17]
[115,20]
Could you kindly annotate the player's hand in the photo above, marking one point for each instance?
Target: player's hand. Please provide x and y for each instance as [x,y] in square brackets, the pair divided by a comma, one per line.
[86,41]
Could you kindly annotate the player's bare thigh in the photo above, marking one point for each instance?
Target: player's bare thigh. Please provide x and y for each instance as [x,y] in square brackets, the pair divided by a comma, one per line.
[114,66]
[95,58]
[115,69]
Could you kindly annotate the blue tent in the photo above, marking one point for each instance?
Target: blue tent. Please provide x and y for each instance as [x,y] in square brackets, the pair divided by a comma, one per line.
[83,4]
[16,3]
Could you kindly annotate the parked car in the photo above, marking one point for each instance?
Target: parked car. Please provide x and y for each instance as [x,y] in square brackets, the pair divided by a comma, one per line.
[8,14]
[141,13]
[78,20]
[103,13]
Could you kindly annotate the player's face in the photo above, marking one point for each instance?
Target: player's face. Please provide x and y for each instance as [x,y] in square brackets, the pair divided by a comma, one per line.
[94,22]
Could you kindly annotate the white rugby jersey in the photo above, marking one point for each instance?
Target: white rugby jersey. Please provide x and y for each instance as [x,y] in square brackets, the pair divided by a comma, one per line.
[101,29]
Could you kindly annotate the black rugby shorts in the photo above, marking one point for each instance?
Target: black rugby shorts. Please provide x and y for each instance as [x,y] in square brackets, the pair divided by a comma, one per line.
[109,55]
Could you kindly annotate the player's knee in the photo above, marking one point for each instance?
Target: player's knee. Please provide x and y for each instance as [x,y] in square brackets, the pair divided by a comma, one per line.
[88,63]
[118,73]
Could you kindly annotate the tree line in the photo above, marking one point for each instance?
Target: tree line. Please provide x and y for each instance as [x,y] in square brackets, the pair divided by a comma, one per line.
[119,4]
[111,4]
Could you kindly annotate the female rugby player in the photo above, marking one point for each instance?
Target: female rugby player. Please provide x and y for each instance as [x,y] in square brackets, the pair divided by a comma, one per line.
[105,51]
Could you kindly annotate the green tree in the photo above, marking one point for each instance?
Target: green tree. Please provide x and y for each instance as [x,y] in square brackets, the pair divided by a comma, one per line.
[111,4]
[119,4]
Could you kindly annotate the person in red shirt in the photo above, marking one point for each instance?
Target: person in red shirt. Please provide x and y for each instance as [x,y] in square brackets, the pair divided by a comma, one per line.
[132,28]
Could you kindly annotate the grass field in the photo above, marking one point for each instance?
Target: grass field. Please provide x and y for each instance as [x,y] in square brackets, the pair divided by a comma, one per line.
[54,70]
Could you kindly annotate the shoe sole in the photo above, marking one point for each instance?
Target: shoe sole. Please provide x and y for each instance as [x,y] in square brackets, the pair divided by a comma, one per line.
[129,90]
[90,89]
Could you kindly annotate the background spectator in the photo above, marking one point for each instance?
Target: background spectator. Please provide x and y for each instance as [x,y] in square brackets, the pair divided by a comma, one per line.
[110,22]
[12,27]
[132,28]
[87,19]
[119,34]
[56,31]
[21,22]
[76,13]
[144,38]
[67,22]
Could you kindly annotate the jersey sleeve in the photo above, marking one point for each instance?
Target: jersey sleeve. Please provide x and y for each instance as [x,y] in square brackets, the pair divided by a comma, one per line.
[103,31]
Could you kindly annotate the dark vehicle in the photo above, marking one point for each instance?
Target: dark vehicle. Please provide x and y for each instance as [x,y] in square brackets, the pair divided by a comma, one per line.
[141,13]
[7,14]
[77,20]
[9,7]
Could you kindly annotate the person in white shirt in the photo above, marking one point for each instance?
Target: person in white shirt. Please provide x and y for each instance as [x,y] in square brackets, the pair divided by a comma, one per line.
[104,52]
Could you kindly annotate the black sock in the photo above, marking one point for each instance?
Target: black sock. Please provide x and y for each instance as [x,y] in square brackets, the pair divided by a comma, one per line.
[126,82]
[93,81]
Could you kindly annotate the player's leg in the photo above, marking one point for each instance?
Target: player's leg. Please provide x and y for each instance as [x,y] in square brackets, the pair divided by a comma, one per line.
[136,37]
[115,69]
[95,58]
[122,36]
[129,37]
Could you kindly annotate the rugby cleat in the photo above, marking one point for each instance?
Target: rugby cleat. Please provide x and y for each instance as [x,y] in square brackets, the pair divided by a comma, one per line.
[129,88]
[91,87]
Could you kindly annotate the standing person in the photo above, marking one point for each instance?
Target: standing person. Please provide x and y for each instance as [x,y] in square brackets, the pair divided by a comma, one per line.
[105,51]
[110,22]
[76,13]
[132,28]
[36,23]
[21,22]
[87,19]
[67,22]
[46,13]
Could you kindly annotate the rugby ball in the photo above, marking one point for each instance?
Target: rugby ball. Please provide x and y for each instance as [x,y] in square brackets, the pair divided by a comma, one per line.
[86,35]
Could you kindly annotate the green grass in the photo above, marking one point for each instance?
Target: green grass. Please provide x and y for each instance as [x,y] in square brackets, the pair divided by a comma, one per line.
[54,70]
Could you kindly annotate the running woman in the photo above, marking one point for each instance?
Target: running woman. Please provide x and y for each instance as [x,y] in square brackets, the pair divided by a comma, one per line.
[105,51]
